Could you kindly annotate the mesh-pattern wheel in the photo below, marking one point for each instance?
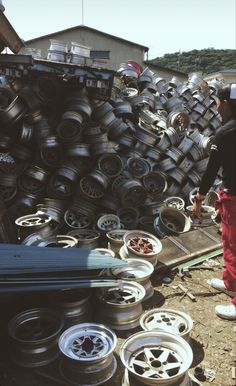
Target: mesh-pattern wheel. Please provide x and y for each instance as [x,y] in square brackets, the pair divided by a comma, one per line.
[91,188]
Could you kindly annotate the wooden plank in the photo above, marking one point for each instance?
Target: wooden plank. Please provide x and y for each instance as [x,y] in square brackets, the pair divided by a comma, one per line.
[9,36]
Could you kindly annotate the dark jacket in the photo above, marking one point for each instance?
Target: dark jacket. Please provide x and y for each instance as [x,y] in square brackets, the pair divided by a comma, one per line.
[222,154]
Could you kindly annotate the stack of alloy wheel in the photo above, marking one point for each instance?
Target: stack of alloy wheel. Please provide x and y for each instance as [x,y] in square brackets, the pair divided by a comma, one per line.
[76,158]
[138,270]
[120,307]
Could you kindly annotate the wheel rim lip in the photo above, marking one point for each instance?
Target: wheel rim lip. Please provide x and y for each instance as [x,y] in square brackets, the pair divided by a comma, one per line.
[68,241]
[151,336]
[137,289]
[94,234]
[186,318]
[125,254]
[111,235]
[21,317]
[138,265]
[137,233]
[106,252]
[107,336]
[176,214]
[19,221]
[98,382]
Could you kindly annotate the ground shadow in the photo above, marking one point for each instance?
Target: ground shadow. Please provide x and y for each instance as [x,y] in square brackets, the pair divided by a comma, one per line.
[157,300]
[198,352]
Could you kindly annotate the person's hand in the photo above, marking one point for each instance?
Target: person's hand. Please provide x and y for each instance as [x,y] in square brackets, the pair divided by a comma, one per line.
[197,205]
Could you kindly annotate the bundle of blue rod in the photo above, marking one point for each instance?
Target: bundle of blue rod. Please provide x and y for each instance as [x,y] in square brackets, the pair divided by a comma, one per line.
[24,268]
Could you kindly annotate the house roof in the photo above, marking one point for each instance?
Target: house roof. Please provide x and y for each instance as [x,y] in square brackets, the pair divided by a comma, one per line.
[158,67]
[8,36]
[84,27]
[229,70]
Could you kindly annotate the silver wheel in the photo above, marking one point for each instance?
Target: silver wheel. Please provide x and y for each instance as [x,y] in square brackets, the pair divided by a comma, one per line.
[138,270]
[174,322]
[87,350]
[153,358]
[174,202]
[120,307]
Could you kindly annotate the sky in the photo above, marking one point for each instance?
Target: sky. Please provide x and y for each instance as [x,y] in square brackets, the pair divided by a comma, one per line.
[165,26]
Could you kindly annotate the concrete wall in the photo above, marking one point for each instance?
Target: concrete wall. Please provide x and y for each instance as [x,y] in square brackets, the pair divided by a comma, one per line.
[120,51]
[227,77]
[166,73]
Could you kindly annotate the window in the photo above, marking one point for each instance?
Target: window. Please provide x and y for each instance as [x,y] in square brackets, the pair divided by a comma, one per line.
[100,54]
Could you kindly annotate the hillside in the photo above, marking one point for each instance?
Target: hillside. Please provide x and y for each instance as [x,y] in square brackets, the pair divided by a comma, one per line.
[206,61]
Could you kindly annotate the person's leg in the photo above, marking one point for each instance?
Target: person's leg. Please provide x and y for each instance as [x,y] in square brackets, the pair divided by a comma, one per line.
[229,243]
[228,215]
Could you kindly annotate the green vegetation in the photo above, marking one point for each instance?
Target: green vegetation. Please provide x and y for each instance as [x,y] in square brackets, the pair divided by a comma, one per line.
[206,61]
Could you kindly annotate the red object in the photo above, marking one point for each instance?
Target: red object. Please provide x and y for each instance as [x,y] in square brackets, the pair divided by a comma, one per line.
[227,208]
[141,245]
[136,66]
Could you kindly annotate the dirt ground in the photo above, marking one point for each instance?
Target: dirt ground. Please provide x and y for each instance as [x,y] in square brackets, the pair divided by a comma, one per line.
[213,340]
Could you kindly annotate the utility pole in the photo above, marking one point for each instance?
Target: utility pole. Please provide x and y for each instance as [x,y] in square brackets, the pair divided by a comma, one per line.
[82,12]
[179,58]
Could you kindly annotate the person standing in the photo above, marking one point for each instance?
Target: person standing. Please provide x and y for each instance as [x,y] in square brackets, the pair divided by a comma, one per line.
[223,156]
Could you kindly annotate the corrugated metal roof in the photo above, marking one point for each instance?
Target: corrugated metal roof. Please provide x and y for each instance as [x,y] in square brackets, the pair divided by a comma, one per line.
[80,27]
[231,70]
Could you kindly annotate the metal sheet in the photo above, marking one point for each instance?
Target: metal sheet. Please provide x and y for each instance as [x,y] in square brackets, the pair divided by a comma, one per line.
[197,242]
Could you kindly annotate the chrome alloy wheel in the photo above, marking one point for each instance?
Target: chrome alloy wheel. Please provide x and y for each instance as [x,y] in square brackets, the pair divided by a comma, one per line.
[138,270]
[87,350]
[163,319]
[156,358]
[120,306]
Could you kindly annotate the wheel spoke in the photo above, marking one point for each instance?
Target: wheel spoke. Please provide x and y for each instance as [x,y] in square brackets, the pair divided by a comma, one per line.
[140,363]
[149,355]
[171,366]
[151,374]
[163,356]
